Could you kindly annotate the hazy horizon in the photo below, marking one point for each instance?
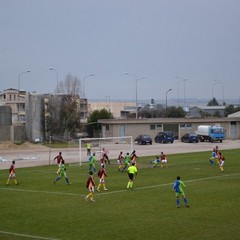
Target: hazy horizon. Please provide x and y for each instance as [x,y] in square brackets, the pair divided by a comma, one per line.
[151,40]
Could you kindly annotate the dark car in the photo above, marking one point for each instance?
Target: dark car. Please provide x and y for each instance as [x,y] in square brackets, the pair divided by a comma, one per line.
[190,138]
[165,137]
[143,140]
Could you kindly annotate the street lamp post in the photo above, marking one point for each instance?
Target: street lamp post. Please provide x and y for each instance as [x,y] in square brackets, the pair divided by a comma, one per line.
[218,82]
[84,79]
[184,91]
[19,78]
[170,89]
[55,70]
[136,90]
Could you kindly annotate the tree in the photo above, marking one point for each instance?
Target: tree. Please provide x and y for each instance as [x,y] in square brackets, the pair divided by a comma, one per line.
[213,102]
[93,126]
[70,86]
[175,112]
[63,115]
[230,109]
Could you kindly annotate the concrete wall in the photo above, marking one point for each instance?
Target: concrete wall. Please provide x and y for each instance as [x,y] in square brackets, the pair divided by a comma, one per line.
[34,116]
[5,116]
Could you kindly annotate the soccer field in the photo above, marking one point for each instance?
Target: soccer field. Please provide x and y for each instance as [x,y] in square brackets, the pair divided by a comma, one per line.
[39,209]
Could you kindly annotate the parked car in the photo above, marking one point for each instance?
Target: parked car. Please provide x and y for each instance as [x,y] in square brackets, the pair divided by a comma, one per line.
[165,137]
[190,138]
[143,140]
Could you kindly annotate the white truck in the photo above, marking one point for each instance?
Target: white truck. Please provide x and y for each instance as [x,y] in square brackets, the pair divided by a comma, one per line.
[210,133]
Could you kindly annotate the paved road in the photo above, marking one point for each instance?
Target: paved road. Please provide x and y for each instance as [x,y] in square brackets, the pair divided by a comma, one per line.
[38,155]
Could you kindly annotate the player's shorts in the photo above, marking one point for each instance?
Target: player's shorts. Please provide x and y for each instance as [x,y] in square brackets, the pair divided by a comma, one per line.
[180,193]
[91,189]
[131,175]
[12,175]
[119,162]
[221,163]
[101,180]
[164,161]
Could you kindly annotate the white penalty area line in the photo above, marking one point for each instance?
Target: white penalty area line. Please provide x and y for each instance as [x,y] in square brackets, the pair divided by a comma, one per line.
[27,236]
[167,184]
[123,190]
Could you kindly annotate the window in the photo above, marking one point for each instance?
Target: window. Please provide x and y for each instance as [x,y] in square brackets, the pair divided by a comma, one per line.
[156,126]
[152,127]
[185,125]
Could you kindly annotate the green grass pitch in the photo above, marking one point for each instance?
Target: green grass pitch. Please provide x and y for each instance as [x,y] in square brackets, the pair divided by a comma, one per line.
[38,209]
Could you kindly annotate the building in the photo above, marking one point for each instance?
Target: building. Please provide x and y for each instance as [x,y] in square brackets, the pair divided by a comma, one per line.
[16,100]
[199,112]
[180,126]
[117,108]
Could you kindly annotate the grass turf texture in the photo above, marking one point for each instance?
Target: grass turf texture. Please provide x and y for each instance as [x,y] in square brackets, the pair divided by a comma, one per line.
[40,209]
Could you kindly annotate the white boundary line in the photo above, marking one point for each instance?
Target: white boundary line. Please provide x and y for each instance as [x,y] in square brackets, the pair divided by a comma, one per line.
[25,235]
[119,191]
[167,184]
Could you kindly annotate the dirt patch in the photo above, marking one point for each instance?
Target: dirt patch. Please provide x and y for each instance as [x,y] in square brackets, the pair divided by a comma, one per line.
[8,145]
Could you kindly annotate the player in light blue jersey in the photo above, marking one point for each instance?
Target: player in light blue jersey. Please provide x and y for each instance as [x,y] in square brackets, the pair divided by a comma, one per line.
[178,187]
[213,157]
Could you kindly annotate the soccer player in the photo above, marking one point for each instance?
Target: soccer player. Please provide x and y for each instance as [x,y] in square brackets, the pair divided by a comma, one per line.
[134,157]
[89,147]
[119,161]
[59,161]
[102,174]
[62,173]
[12,174]
[221,159]
[92,161]
[213,157]
[155,162]
[105,155]
[90,186]
[163,158]
[126,162]
[218,154]
[178,188]
[132,171]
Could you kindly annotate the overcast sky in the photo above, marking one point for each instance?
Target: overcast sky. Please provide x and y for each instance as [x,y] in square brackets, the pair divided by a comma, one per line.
[197,40]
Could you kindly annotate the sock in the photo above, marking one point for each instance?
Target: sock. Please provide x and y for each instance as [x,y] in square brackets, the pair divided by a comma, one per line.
[211,162]
[178,202]
[89,195]
[99,185]
[185,200]
[128,185]
[57,179]
[15,181]
[7,181]
[131,184]
[67,180]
